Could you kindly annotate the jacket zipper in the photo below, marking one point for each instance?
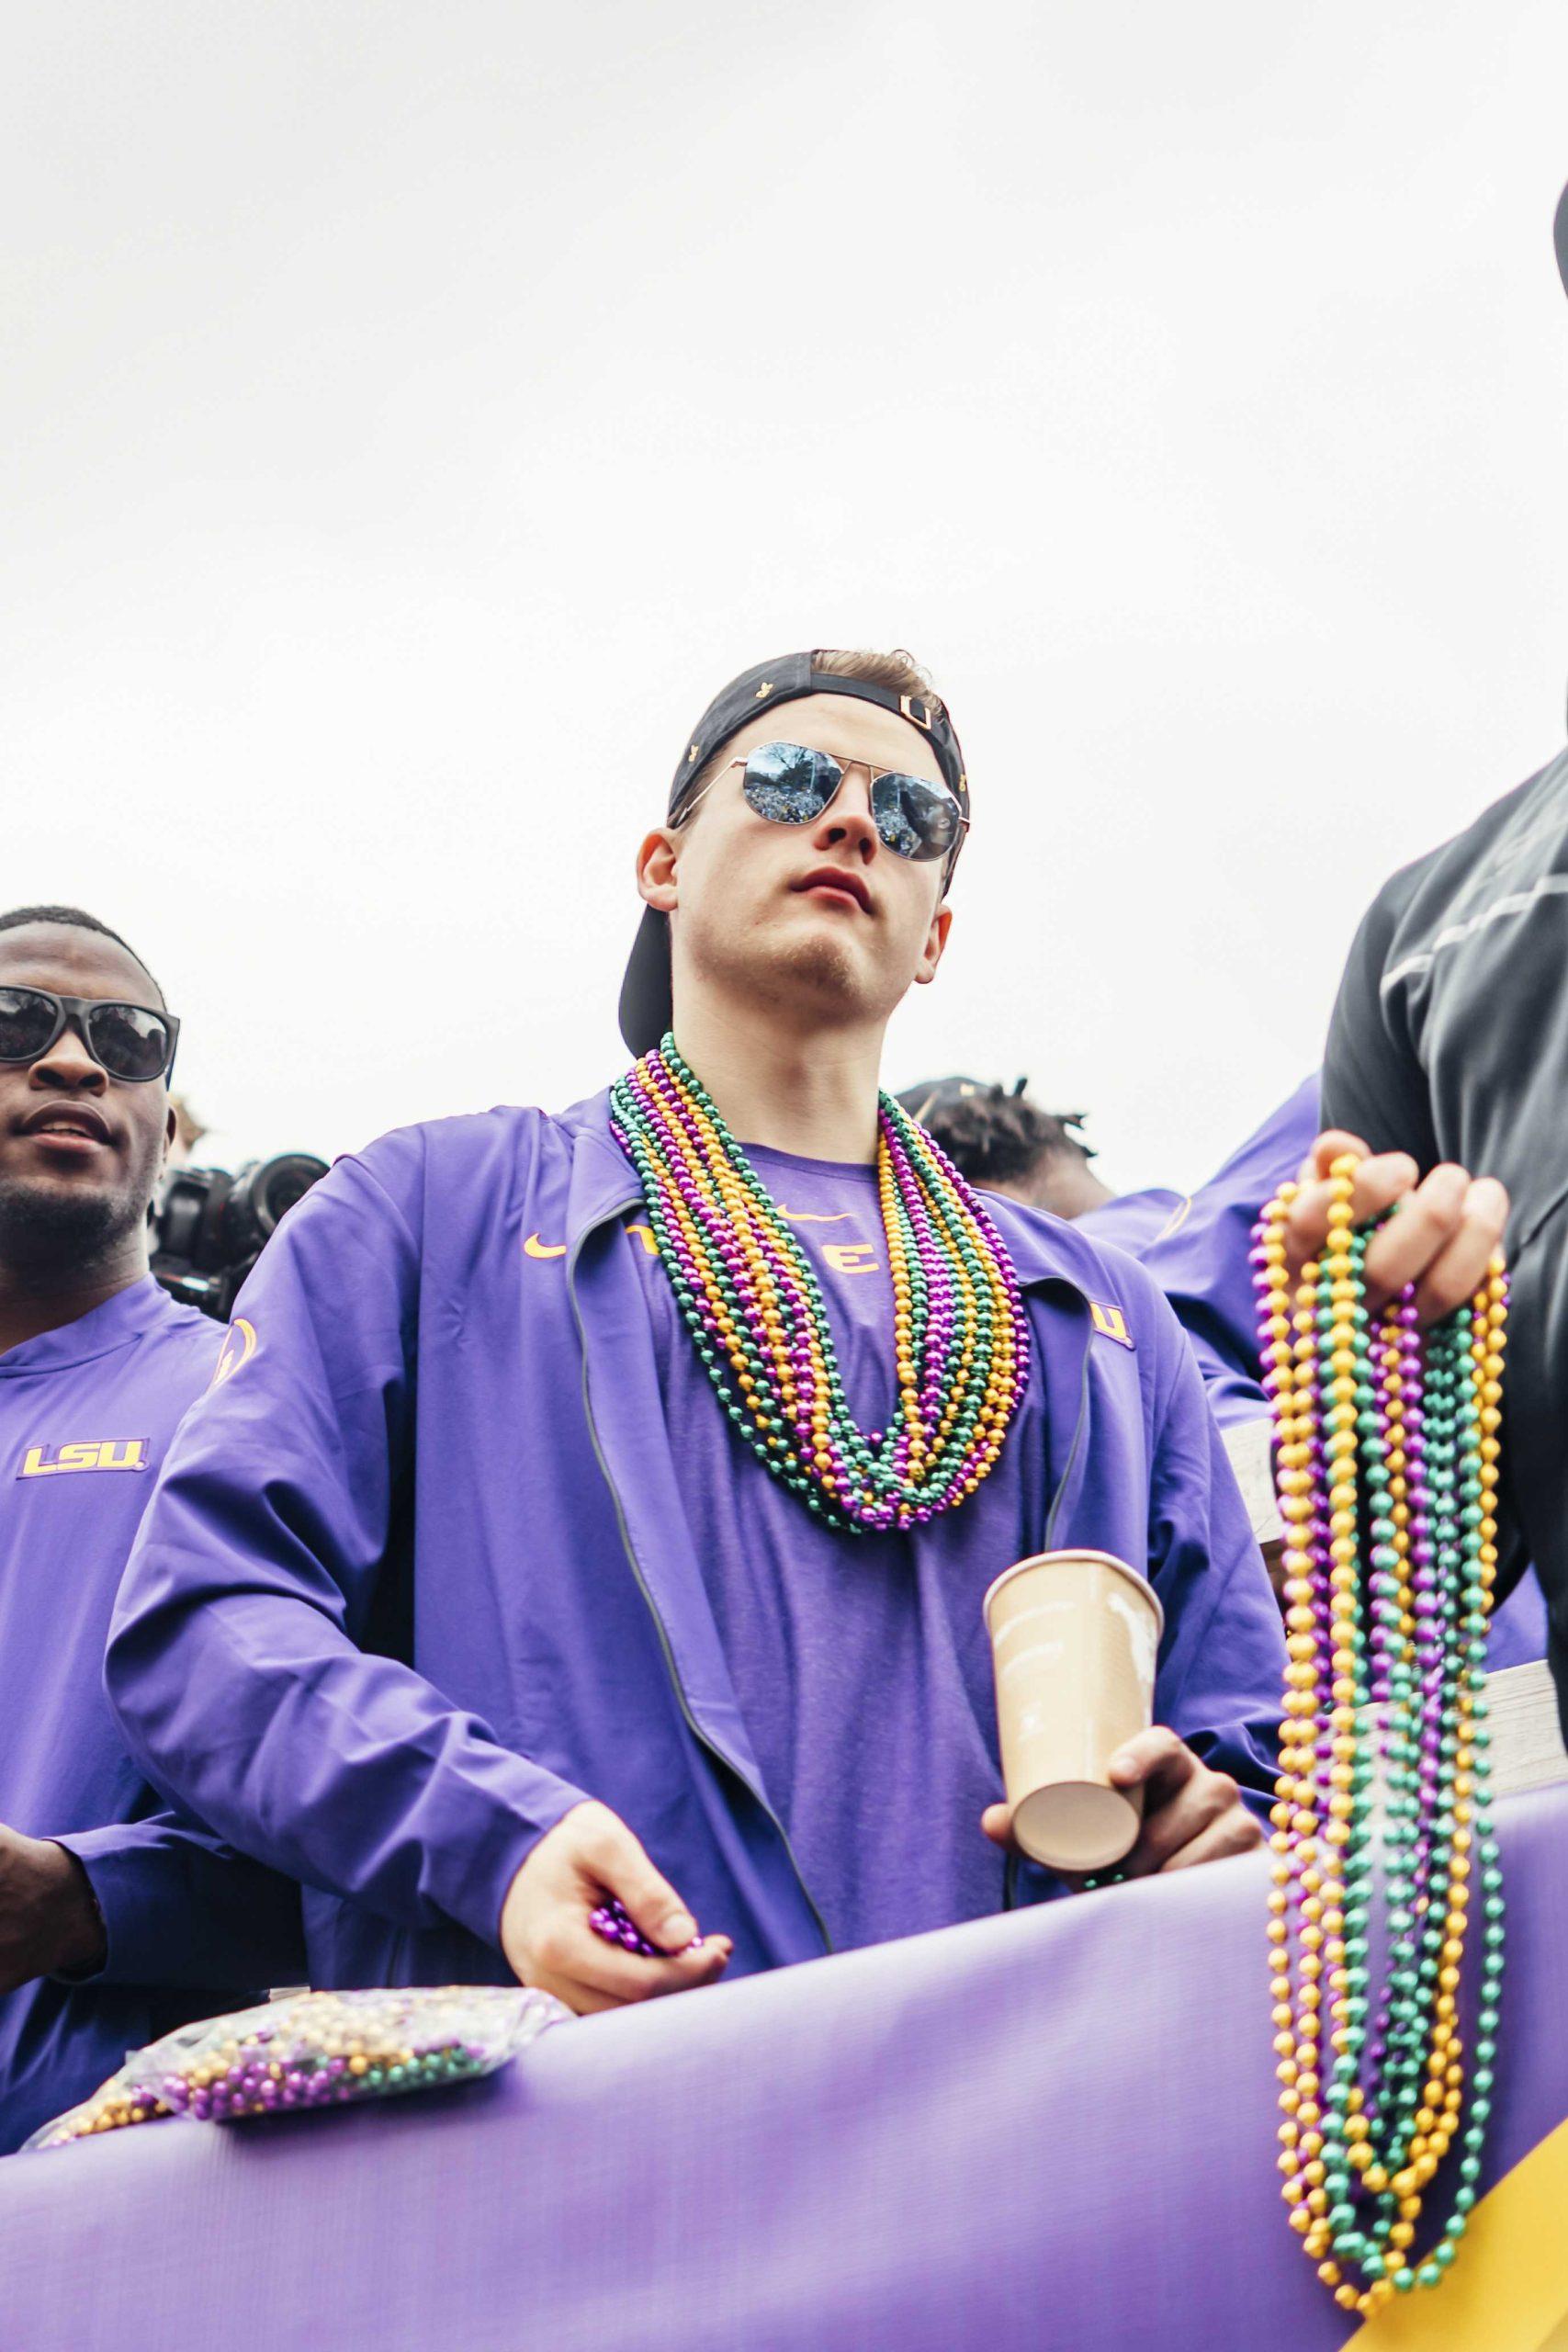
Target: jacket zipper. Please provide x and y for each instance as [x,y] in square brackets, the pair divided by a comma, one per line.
[1010,1876]
[1057,1499]
[611,1217]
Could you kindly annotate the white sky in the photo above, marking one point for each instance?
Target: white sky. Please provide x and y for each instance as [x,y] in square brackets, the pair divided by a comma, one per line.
[411,413]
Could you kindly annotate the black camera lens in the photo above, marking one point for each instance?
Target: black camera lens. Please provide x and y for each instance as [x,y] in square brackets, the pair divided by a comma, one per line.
[208,1228]
[262,1194]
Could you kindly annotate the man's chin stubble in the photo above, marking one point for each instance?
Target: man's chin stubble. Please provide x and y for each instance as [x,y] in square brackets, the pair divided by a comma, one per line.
[58,1228]
[813,979]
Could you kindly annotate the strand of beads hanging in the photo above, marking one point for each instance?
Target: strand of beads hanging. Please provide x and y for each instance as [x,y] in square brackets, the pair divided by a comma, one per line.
[1387,1453]
[748,1295]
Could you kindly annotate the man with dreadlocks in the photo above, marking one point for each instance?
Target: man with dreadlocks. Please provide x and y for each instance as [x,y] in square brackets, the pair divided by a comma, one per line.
[1004,1142]
[585,1488]
[1001,1141]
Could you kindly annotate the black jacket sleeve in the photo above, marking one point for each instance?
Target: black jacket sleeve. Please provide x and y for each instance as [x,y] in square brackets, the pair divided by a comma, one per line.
[1373,1082]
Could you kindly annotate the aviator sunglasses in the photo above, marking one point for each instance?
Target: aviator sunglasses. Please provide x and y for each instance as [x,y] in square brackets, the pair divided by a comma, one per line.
[791,784]
[130,1041]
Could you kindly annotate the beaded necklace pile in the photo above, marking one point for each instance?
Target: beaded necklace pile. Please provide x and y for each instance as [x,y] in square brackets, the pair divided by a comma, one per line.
[748,1294]
[1388,1450]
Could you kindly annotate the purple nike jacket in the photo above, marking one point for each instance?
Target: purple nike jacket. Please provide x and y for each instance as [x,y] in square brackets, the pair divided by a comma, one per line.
[418,1575]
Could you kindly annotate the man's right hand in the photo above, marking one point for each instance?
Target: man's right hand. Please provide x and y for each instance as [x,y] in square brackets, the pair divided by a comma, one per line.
[589,1856]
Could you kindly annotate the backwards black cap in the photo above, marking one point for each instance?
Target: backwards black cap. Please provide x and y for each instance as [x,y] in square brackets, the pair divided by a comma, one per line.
[646,1008]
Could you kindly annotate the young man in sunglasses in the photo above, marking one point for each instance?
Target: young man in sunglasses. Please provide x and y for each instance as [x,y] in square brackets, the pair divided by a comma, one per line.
[119,1919]
[602,1507]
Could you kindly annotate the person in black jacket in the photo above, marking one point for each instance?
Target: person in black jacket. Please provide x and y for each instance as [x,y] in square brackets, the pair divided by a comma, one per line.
[1450,1041]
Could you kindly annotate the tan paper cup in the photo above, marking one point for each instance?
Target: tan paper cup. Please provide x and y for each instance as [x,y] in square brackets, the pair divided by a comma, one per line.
[1074,1636]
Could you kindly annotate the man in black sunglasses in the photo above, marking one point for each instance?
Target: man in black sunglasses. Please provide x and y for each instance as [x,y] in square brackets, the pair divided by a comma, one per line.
[119,1919]
[468,1595]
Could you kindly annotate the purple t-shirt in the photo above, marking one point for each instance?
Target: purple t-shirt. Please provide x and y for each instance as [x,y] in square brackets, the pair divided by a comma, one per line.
[861,1663]
[86,1413]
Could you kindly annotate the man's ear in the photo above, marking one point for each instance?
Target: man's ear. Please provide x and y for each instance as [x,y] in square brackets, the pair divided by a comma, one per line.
[936,943]
[656,864]
[171,1129]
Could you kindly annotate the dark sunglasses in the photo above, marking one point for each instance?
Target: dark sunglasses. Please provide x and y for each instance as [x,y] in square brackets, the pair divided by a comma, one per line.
[791,784]
[130,1041]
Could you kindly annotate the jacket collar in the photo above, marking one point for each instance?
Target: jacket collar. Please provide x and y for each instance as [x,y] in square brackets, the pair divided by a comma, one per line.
[603,1181]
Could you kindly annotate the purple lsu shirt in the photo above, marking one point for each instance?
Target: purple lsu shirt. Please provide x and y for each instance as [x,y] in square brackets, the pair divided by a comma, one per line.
[86,1413]
[861,1663]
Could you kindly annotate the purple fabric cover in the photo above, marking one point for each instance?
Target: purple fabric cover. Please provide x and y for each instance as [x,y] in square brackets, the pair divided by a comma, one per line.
[85,1414]
[1045,2132]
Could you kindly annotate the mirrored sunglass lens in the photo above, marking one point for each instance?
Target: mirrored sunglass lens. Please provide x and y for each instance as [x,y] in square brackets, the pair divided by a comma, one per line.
[26,1023]
[788,784]
[129,1042]
[913,817]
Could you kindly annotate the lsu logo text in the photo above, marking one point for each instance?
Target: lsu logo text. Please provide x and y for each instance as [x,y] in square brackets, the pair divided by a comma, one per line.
[94,1453]
[1110,1323]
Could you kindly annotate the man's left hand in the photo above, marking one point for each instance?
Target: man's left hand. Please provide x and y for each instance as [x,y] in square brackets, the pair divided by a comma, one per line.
[1190,1814]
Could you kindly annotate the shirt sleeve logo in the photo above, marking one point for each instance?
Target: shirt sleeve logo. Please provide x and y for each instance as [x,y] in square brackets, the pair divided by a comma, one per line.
[86,1453]
[239,1347]
[1110,1323]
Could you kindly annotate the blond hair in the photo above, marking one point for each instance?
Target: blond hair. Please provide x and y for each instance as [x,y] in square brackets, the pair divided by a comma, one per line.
[898,670]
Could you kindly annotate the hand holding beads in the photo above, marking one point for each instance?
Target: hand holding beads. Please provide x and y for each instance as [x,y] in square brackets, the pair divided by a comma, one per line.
[1444,1230]
[589,1862]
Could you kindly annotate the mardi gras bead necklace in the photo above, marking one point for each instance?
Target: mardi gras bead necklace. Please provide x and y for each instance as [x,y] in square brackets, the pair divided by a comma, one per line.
[751,1299]
[1388,1435]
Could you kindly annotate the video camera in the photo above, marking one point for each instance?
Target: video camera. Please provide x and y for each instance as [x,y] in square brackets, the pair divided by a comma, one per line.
[210,1228]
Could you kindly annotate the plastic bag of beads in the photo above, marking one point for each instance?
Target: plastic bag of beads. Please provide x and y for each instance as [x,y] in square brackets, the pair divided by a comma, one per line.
[314,2050]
